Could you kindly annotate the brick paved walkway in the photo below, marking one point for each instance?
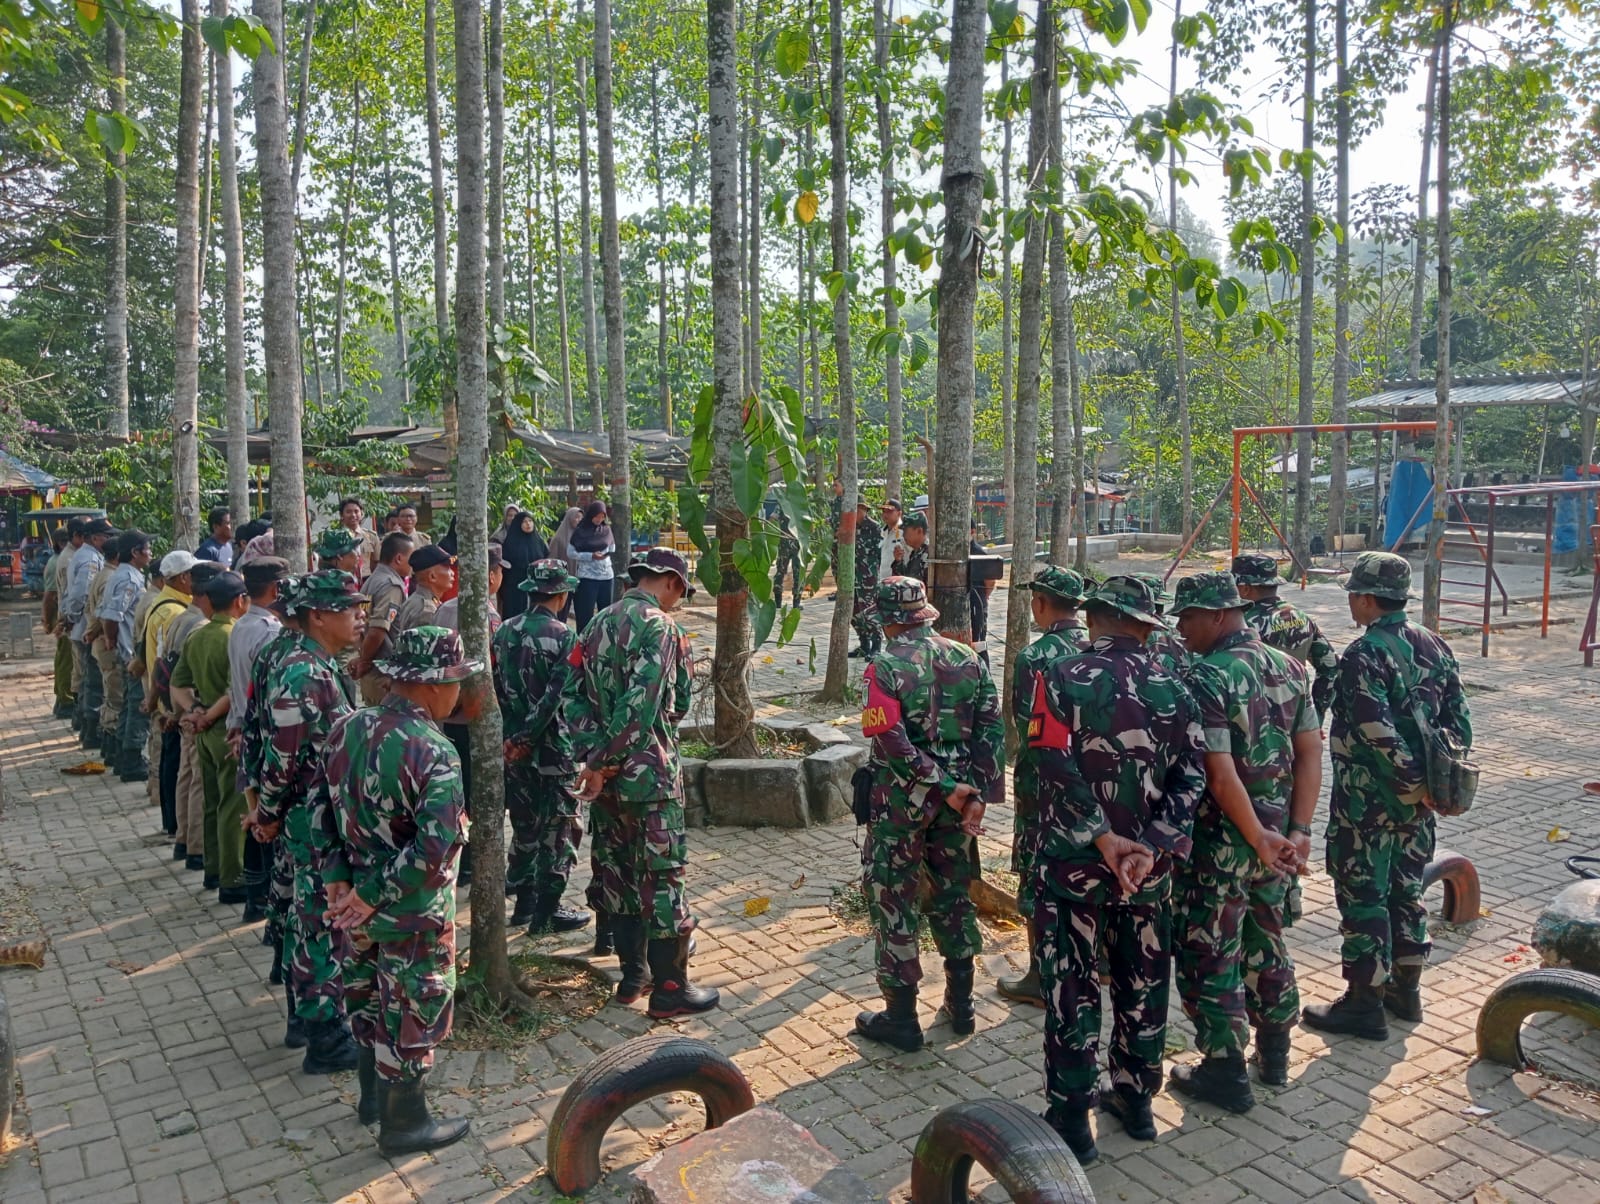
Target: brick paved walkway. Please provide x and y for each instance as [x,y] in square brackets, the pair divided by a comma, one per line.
[152,1068]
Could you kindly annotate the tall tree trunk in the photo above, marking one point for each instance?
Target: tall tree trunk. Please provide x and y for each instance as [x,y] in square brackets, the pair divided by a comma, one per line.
[1419,243]
[1008,410]
[663,385]
[116,349]
[565,351]
[811,303]
[205,174]
[611,279]
[1030,338]
[1306,411]
[186,300]
[302,97]
[962,181]
[1180,349]
[1081,560]
[1063,350]
[882,16]
[591,334]
[731,660]
[237,408]
[346,205]
[441,231]
[835,677]
[1433,567]
[1339,448]
[280,340]
[396,291]
[755,217]
[496,194]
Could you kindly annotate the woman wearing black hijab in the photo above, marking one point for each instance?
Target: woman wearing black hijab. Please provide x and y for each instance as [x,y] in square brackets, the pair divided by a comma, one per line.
[590,548]
[522,547]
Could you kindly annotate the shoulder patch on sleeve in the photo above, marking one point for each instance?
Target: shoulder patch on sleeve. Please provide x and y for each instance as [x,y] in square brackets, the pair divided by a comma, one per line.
[576,657]
[882,710]
[1044,729]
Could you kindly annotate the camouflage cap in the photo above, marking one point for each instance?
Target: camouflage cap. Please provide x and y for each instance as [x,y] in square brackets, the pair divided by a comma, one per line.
[336,542]
[660,560]
[915,519]
[428,656]
[1129,595]
[1158,588]
[1381,574]
[1256,568]
[548,577]
[330,589]
[903,600]
[1207,591]
[1058,583]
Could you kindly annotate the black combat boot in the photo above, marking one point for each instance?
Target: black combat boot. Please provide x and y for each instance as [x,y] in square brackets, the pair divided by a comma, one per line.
[406,1125]
[180,851]
[550,916]
[1272,1056]
[671,992]
[1073,1125]
[367,1108]
[233,895]
[604,946]
[294,1034]
[628,932]
[255,902]
[329,1047]
[897,1024]
[62,711]
[1026,989]
[110,749]
[958,977]
[1402,994]
[1358,1013]
[1132,1107]
[210,881]
[1221,1079]
[523,909]
[464,868]
[133,768]
[275,975]
[89,731]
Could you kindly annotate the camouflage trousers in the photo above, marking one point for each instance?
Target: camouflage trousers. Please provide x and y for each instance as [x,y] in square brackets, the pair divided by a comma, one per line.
[280,889]
[637,852]
[400,994]
[313,953]
[1069,930]
[865,620]
[1377,881]
[788,565]
[545,829]
[897,849]
[1024,809]
[1234,970]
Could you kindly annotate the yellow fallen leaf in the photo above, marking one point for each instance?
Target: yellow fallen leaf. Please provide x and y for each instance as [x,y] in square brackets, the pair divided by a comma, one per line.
[798,882]
[1484,913]
[756,907]
[766,660]
[712,857]
[1557,835]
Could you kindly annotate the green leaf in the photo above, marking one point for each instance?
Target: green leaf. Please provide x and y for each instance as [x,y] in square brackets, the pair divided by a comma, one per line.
[791,52]
[710,575]
[700,443]
[791,624]
[773,146]
[762,617]
[1230,296]
[1141,13]
[749,476]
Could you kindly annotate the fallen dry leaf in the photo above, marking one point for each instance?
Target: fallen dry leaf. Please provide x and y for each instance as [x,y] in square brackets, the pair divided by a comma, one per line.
[757,907]
[712,857]
[125,967]
[798,882]
[1558,835]
[85,768]
[23,953]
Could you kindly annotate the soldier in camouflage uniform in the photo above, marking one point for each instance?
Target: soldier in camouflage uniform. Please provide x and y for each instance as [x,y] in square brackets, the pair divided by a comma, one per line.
[938,755]
[303,696]
[1121,771]
[532,664]
[788,559]
[1056,595]
[869,549]
[1263,771]
[1284,626]
[1165,645]
[393,833]
[630,687]
[1381,826]
[915,562]
[339,547]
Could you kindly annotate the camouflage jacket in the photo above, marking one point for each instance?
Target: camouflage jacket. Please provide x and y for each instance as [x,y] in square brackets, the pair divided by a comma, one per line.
[1253,701]
[304,694]
[1120,750]
[869,547]
[1289,629]
[1060,640]
[933,716]
[532,664]
[1373,740]
[629,688]
[250,727]
[397,818]
[914,564]
[1169,651]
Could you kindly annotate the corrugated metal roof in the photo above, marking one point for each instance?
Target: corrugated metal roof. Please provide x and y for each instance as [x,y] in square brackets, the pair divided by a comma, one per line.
[1517,389]
[18,474]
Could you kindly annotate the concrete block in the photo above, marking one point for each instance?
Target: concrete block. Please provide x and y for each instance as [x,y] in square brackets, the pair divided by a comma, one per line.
[756,793]
[828,772]
[825,735]
[694,792]
[758,1157]
[1567,932]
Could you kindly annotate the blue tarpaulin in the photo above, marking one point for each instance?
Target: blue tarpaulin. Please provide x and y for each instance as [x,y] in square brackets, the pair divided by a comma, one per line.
[1568,507]
[1409,488]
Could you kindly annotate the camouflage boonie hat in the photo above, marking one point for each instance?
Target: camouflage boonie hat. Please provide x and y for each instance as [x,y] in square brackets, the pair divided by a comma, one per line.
[1381,574]
[1207,591]
[1058,583]
[1256,568]
[903,600]
[336,542]
[915,519]
[1131,596]
[660,560]
[1158,588]
[330,589]
[548,577]
[428,656]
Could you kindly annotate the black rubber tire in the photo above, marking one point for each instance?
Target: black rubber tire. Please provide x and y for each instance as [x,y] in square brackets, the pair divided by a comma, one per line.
[1463,900]
[1583,867]
[1025,1155]
[1570,992]
[628,1074]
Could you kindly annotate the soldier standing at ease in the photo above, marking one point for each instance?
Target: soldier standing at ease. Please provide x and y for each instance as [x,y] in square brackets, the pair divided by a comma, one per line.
[1165,645]
[1252,831]
[305,694]
[392,835]
[1380,825]
[1120,774]
[1284,626]
[1056,594]
[914,531]
[630,688]
[869,548]
[532,664]
[788,559]
[937,760]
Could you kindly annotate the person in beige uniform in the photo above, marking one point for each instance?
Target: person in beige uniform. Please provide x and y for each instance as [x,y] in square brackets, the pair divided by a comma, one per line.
[431,574]
[387,589]
[189,796]
[406,515]
[351,514]
[105,655]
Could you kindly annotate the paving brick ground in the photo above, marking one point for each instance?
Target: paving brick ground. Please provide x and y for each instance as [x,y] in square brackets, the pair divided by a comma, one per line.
[152,1067]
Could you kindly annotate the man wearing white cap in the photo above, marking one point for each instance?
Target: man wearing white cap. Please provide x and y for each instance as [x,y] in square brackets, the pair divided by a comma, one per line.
[173,599]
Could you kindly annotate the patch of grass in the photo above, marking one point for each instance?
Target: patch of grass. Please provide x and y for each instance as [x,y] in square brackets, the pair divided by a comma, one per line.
[698,749]
[779,745]
[564,991]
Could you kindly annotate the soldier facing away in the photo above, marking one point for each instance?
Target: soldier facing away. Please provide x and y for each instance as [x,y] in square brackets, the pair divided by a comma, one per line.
[1285,626]
[1381,824]
[1252,832]
[869,549]
[938,754]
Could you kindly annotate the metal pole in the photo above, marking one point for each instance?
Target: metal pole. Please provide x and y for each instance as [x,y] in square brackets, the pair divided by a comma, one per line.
[1488,579]
[1377,487]
[1238,439]
[1549,540]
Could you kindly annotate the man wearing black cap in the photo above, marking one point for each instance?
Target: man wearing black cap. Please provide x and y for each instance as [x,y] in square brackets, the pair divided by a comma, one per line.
[253,632]
[387,589]
[431,575]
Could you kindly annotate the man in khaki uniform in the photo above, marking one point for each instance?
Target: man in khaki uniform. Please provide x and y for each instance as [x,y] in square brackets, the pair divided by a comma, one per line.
[387,589]
[432,571]
[189,795]
[351,513]
[105,655]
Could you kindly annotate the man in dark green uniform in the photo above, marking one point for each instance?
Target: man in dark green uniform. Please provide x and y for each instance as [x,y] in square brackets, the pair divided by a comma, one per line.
[869,549]
[1284,626]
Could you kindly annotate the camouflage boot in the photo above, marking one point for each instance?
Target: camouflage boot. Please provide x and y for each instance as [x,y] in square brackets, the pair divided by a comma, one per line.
[406,1125]
[1358,1013]
[1402,994]
[1221,1079]
[897,1024]
[1272,1056]
[1073,1126]
[958,978]
[672,994]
